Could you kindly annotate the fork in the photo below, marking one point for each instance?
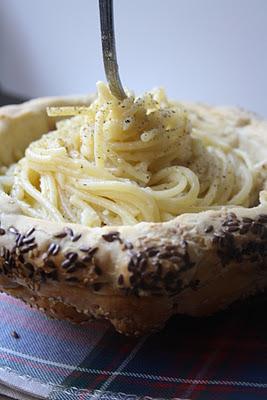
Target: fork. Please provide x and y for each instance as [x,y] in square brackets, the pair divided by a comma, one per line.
[109,49]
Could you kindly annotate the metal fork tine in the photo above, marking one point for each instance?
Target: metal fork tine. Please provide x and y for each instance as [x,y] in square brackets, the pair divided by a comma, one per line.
[109,49]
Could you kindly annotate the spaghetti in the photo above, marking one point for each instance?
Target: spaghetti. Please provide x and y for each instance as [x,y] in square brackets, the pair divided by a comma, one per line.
[122,162]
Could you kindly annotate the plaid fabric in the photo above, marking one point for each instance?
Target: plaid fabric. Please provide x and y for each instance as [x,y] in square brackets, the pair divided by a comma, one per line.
[219,358]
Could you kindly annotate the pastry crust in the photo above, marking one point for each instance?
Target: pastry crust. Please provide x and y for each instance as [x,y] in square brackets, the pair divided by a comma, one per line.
[134,276]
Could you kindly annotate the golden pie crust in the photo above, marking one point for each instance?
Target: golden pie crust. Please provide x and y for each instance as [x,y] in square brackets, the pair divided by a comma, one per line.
[134,276]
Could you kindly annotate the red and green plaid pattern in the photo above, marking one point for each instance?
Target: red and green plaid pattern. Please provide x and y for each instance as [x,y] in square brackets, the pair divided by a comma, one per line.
[219,358]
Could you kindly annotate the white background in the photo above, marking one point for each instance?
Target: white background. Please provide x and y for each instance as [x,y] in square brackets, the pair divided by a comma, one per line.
[209,50]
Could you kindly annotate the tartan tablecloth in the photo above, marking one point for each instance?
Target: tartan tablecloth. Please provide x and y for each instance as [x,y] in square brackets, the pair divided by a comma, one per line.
[218,358]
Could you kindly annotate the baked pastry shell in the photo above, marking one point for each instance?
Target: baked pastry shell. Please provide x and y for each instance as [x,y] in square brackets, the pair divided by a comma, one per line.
[134,276]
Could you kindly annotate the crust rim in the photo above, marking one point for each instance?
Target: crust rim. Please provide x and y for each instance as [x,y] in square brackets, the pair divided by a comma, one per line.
[175,265]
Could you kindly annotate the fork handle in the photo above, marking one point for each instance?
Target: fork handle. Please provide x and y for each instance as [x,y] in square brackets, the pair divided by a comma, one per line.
[109,49]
